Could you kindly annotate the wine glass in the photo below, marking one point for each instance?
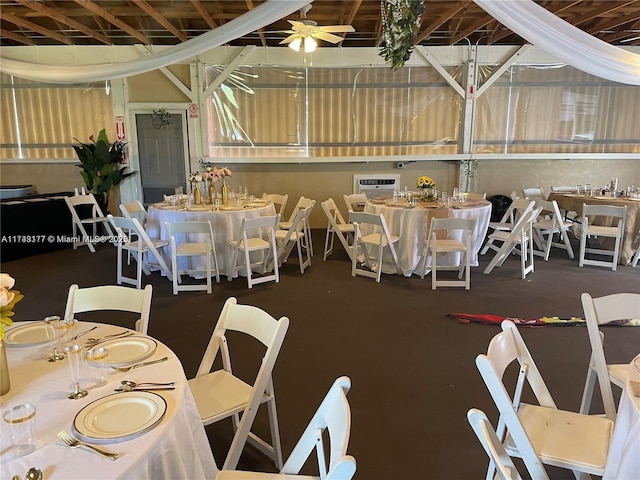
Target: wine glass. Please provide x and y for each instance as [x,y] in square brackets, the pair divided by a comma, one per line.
[54,321]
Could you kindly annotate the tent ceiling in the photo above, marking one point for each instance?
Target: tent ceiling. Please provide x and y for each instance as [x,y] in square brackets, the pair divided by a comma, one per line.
[169,22]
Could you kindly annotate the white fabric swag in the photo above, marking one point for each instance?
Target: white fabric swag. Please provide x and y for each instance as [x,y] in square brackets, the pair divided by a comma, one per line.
[564,41]
[265,14]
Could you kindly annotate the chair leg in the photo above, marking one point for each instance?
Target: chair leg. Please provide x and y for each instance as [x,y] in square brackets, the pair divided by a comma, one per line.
[139,271]
[247,261]
[434,268]
[209,273]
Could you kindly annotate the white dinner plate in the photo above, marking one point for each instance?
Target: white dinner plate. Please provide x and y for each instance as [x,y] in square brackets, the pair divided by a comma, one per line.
[171,207]
[199,209]
[127,351]
[230,208]
[35,333]
[254,205]
[119,417]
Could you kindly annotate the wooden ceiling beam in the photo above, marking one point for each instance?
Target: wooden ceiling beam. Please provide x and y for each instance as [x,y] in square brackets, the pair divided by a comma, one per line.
[471,28]
[16,37]
[58,16]
[615,22]
[102,13]
[633,31]
[601,11]
[445,17]
[263,39]
[204,14]
[153,13]
[21,22]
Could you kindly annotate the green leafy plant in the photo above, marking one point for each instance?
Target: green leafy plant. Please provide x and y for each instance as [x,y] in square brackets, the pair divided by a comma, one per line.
[400,26]
[101,163]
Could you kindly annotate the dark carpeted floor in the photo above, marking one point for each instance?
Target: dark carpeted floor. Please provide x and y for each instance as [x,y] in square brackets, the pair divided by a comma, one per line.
[412,369]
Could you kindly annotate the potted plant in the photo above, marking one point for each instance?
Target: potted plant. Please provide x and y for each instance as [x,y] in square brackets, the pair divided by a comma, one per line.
[101,164]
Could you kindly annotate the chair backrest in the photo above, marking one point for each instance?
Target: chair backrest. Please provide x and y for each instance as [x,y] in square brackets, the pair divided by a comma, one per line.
[134,209]
[534,193]
[190,226]
[111,297]
[551,210]
[504,349]
[605,211]
[377,220]
[303,202]
[518,207]
[269,223]
[277,199]
[599,311]
[333,415]
[251,321]
[354,199]
[474,195]
[88,199]
[492,445]
[468,225]
[333,212]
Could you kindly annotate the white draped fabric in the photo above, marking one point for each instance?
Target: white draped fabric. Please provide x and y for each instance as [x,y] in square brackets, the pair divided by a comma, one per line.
[265,14]
[564,41]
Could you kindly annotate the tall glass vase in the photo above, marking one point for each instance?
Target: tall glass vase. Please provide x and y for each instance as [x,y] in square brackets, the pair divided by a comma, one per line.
[5,382]
[225,192]
[212,192]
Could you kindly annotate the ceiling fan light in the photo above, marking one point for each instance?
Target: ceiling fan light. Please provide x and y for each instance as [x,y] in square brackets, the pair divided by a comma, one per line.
[295,44]
[310,44]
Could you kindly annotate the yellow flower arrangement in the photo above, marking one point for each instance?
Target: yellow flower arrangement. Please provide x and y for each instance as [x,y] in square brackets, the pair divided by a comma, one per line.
[425,182]
[8,299]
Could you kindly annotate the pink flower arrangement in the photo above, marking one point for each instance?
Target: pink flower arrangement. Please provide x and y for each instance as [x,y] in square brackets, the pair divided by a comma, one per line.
[214,174]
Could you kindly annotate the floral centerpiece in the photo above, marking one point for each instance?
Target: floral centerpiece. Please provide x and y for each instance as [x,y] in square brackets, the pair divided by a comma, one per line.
[8,299]
[426,186]
[400,27]
[213,175]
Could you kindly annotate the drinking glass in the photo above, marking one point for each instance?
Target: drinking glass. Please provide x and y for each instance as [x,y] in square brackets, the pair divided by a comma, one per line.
[20,420]
[456,194]
[178,190]
[96,358]
[54,321]
[444,197]
[74,354]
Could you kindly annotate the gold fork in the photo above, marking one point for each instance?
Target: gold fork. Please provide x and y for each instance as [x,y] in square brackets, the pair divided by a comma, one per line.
[75,443]
[143,364]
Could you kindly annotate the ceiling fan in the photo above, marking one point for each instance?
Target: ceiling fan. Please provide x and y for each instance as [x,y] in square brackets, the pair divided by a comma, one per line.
[305,32]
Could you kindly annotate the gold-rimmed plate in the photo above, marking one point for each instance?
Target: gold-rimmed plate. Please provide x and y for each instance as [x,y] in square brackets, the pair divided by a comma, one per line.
[119,417]
[30,335]
[127,351]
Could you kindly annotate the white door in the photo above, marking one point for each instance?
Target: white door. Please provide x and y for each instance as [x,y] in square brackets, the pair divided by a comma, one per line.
[162,153]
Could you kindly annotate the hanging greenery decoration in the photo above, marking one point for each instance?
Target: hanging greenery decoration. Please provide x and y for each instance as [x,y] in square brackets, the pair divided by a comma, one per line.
[161,118]
[400,26]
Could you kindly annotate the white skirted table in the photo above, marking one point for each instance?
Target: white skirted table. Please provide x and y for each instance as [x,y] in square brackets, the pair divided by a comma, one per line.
[224,222]
[412,226]
[176,447]
[623,461]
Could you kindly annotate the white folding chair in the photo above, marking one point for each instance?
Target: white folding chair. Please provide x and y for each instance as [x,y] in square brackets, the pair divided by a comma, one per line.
[250,238]
[599,311]
[492,446]
[355,202]
[220,394]
[134,209]
[190,240]
[139,248]
[95,218]
[333,416]
[636,257]
[549,223]
[303,202]
[521,236]
[540,434]
[616,216]
[295,235]
[111,297]
[450,228]
[372,244]
[280,201]
[534,193]
[337,227]
[518,207]
[473,195]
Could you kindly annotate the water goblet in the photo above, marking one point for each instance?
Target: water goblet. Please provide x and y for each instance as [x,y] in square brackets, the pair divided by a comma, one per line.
[74,354]
[54,321]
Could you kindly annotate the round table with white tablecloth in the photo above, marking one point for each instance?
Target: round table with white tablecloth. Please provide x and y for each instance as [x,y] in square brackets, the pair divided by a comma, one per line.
[175,447]
[623,461]
[412,226]
[224,222]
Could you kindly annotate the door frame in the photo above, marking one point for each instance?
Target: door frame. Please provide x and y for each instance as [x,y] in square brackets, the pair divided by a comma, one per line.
[178,112]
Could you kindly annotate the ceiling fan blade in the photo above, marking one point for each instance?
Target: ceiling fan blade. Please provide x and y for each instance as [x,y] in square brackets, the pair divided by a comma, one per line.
[328,37]
[289,39]
[296,23]
[337,28]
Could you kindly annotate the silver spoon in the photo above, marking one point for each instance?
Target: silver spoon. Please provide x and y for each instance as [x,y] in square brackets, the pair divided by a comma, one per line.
[131,384]
[34,473]
[127,388]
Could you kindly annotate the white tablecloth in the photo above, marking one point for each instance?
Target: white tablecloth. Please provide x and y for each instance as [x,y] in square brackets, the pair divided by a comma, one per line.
[623,462]
[412,226]
[224,223]
[177,448]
